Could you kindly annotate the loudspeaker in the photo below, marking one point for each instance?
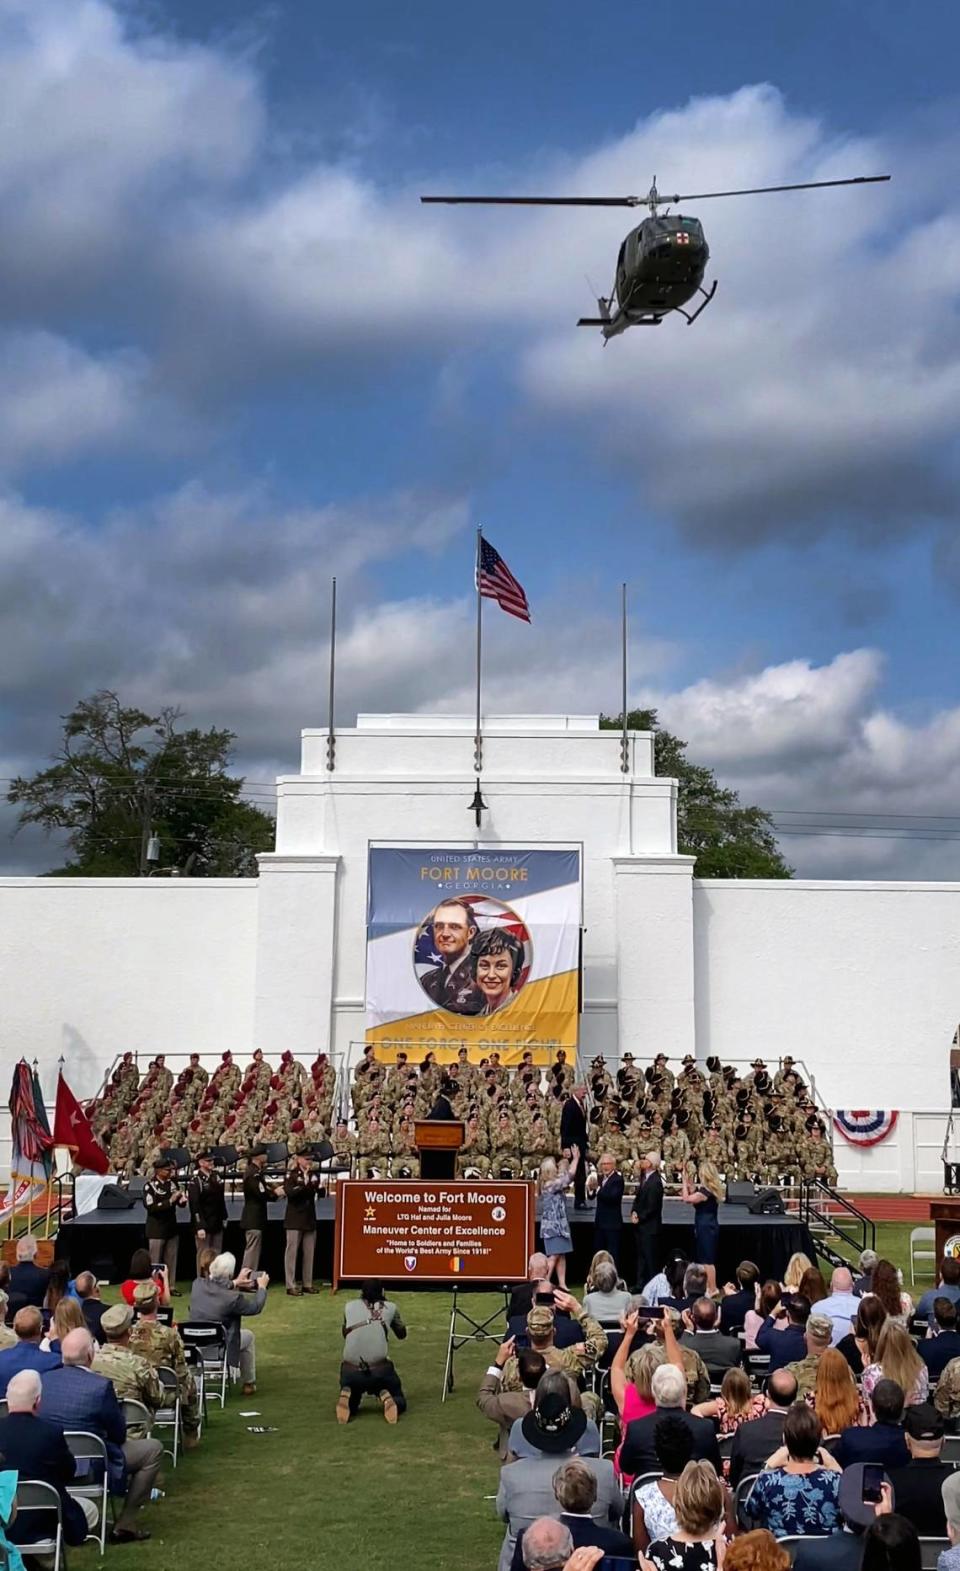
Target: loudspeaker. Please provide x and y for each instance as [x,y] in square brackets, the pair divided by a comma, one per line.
[768,1202]
[113,1198]
[740,1192]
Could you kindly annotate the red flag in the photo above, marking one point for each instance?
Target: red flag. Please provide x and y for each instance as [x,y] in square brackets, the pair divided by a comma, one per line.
[71,1128]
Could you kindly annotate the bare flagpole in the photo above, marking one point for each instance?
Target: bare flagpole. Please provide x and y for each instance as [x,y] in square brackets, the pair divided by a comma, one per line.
[478,804]
[331,737]
[624,744]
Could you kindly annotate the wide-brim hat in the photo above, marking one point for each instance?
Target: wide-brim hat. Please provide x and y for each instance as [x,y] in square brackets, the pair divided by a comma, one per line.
[554,1426]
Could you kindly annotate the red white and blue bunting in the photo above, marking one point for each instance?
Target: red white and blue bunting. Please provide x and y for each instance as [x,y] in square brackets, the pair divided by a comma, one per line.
[862,1128]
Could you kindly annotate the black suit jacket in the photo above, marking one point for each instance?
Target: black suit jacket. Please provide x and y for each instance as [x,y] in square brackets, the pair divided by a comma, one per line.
[573,1125]
[937,1351]
[718,1352]
[610,1202]
[840,1552]
[584,1531]
[648,1202]
[883,1443]
[93,1311]
[916,1491]
[639,1454]
[733,1309]
[28,1283]
[37,1449]
[208,1204]
[521,1299]
[754,1442]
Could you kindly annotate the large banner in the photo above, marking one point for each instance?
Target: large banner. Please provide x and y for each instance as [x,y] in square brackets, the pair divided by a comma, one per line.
[452,1230]
[475,948]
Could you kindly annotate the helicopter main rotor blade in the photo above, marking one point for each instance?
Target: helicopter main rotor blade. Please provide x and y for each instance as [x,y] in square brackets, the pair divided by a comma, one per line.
[762,190]
[538,201]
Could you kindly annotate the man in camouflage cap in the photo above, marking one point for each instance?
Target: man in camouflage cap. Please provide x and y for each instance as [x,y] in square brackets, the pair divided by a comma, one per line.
[819,1335]
[575,1361]
[158,1345]
[131,1376]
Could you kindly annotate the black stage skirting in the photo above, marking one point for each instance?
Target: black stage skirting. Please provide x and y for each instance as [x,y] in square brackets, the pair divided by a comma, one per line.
[103,1241]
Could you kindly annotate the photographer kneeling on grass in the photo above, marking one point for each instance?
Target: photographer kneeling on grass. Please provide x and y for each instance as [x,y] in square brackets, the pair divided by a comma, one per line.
[366,1369]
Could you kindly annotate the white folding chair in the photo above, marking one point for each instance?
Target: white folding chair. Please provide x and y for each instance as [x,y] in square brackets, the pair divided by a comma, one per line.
[930,1551]
[86,1447]
[195,1365]
[792,1544]
[137,1415]
[41,1501]
[741,1499]
[210,1340]
[918,1237]
[169,1417]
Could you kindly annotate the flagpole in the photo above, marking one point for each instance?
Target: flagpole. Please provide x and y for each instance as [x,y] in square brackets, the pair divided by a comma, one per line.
[478,804]
[624,744]
[331,738]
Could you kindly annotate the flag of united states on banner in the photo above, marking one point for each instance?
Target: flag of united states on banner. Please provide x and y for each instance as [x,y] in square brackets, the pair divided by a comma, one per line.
[495,580]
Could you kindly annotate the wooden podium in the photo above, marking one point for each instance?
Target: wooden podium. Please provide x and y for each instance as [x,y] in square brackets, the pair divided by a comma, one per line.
[438,1140]
[945,1215]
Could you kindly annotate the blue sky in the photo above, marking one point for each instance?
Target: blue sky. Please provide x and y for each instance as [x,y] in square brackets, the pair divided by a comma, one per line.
[237,356]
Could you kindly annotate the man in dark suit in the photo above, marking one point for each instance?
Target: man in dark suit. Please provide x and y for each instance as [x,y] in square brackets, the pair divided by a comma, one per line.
[28,1283]
[38,1451]
[647,1217]
[718,1352]
[755,1441]
[786,1341]
[300,1223]
[882,1442]
[608,1218]
[739,1298]
[639,1453]
[916,1487]
[88,1292]
[76,1398]
[937,1351]
[26,1352]
[575,1487]
[573,1133]
[521,1297]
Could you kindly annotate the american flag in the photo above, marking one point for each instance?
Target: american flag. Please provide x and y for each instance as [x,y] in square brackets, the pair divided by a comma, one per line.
[495,580]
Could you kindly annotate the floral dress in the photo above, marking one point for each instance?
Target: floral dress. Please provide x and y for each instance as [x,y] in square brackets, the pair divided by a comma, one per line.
[669,1555]
[796,1503]
[554,1223]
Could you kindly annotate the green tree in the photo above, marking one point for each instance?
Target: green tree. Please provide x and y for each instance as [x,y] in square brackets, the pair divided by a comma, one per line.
[727,839]
[121,775]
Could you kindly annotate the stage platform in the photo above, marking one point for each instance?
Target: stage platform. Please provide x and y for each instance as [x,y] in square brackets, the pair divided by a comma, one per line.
[103,1240]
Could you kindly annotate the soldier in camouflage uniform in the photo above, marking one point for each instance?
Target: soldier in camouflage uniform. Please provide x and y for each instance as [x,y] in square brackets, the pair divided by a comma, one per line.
[161,1345]
[344,1144]
[130,1375]
[576,1361]
[816,1156]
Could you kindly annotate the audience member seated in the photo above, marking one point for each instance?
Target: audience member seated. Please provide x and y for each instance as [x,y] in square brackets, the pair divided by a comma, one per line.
[576,1361]
[26,1352]
[28,1281]
[756,1551]
[798,1491]
[755,1441]
[668,1283]
[699,1506]
[891,1544]
[698,1379]
[37,1449]
[812,1286]
[860,1347]
[521,1298]
[58,1286]
[793,1276]
[575,1488]
[607,1299]
[897,1359]
[653,1515]
[567,1331]
[882,1442]
[737,1403]
[505,1407]
[75,1398]
[526,1487]
[549,1545]
[767,1301]
[224,1298]
[948,1286]
[835,1398]
[885,1285]
[783,1335]
[866,1262]
[532,1435]
[719,1352]
[88,1295]
[739,1297]
[130,1375]
[367,1368]
[8,1337]
[917,1488]
[841,1306]
[638,1454]
[142,1269]
[694,1287]
[817,1341]
[163,1345]
[631,1374]
[843,1550]
[68,1316]
[937,1349]
[950,1489]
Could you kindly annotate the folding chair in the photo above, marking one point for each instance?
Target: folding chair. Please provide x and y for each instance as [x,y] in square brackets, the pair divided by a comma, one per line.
[638,1483]
[86,1447]
[36,1499]
[741,1498]
[194,1363]
[210,1342]
[918,1237]
[4,1409]
[951,1448]
[137,1415]
[725,1444]
[792,1544]
[931,1549]
[169,1417]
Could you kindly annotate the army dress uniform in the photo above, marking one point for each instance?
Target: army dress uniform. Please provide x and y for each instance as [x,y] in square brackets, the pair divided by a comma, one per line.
[300,1225]
[453,987]
[253,1218]
[208,1210]
[160,1197]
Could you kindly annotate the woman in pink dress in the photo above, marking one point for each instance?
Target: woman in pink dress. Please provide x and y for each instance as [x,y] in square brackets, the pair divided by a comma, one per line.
[633,1396]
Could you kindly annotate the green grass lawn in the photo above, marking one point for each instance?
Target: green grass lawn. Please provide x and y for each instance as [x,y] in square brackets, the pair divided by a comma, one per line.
[371,1495]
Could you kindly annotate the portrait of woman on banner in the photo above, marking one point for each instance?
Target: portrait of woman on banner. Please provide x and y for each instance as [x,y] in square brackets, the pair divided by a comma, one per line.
[496,962]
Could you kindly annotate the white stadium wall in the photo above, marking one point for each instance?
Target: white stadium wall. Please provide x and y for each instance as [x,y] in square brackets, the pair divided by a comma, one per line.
[859,981]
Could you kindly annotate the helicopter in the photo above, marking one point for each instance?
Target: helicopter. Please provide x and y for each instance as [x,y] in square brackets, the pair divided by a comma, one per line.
[661,263]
